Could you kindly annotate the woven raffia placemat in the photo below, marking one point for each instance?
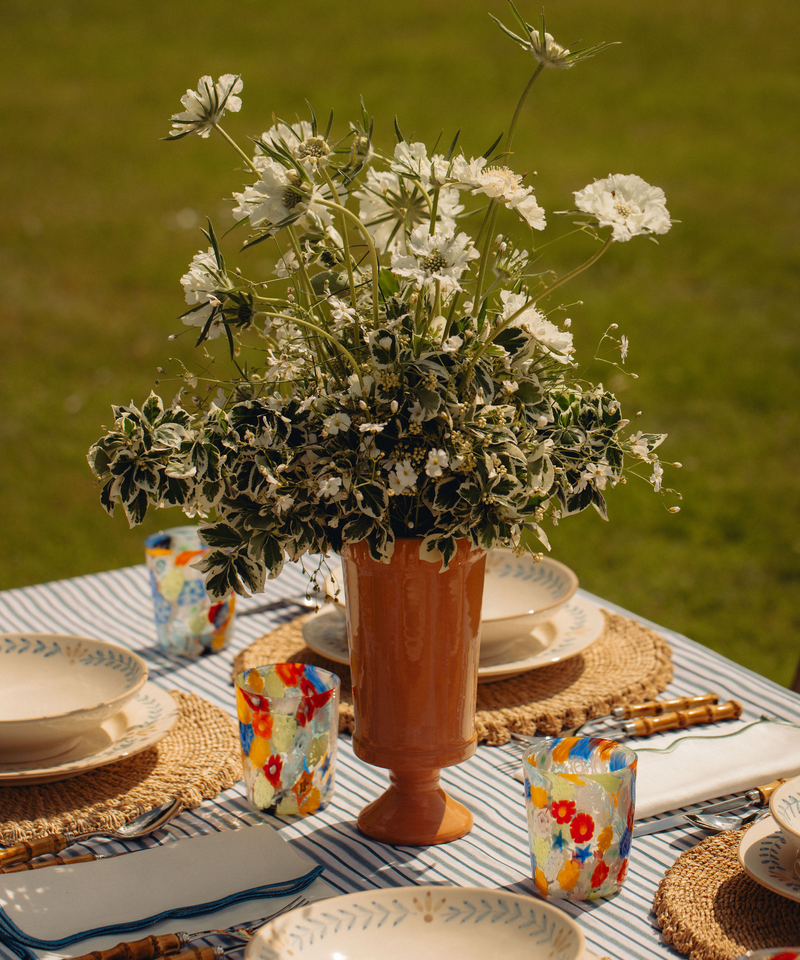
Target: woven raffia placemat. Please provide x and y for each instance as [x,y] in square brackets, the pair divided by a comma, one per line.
[708,908]
[196,760]
[627,663]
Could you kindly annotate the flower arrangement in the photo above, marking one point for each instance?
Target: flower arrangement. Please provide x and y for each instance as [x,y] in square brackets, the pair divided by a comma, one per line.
[396,375]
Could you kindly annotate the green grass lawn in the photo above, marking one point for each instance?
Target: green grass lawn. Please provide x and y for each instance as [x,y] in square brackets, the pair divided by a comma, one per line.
[101,218]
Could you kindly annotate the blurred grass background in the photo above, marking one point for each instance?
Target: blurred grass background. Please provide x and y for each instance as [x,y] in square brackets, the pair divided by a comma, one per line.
[101,219]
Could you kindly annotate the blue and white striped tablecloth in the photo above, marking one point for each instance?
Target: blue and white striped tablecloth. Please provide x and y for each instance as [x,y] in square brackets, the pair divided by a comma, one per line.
[116,606]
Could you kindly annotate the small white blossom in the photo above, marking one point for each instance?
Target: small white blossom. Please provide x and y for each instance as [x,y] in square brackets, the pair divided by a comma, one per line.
[287,265]
[627,204]
[623,348]
[597,473]
[452,344]
[283,502]
[206,106]
[437,462]
[329,487]
[658,473]
[372,427]
[403,477]
[338,421]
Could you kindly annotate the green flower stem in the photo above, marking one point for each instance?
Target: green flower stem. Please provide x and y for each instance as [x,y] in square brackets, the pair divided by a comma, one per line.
[238,149]
[518,111]
[553,286]
[306,280]
[437,302]
[573,273]
[320,332]
[373,254]
[346,242]
[451,314]
[490,220]
[434,211]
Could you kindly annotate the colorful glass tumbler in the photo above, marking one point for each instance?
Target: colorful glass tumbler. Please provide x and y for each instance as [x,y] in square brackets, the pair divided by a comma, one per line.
[188,622]
[288,728]
[580,794]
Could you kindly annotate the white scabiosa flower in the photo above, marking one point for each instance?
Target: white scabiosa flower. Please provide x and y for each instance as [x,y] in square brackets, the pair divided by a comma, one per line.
[627,204]
[389,207]
[206,105]
[277,196]
[501,184]
[443,257]
[557,343]
[283,134]
[545,50]
[201,285]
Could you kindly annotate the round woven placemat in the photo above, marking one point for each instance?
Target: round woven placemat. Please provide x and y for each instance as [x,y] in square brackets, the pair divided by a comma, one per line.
[708,908]
[196,760]
[627,663]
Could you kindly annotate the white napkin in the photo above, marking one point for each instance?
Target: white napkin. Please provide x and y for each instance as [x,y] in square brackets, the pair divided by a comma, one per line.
[712,763]
[682,768]
[248,872]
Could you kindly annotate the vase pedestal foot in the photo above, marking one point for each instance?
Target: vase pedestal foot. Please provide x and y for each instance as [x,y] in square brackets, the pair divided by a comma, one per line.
[415,812]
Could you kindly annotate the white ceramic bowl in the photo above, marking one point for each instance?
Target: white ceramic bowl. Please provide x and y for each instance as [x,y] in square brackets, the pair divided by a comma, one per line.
[56,688]
[784,805]
[519,595]
[427,923]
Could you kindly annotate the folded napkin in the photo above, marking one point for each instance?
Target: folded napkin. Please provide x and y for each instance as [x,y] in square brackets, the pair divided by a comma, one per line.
[712,763]
[679,768]
[53,908]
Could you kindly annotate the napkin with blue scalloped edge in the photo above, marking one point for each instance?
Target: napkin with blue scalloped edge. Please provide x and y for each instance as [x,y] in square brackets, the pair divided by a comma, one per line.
[49,910]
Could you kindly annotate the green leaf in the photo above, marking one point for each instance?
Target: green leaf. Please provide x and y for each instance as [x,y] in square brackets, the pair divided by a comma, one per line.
[388,283]
[221,535]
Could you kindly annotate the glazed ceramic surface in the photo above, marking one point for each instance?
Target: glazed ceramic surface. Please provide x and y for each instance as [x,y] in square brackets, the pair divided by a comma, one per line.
[579,794]
[56,688]
[575,627]
[188,623]
[141,723]
[427,923]
[768,858]
[519,594]
[784,805]
[288,728]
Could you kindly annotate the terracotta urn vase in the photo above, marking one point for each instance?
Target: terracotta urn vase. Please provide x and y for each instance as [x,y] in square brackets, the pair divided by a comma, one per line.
[414,635]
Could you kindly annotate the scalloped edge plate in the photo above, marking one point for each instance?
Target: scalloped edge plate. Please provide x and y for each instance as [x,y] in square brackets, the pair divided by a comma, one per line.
[575,627]
[767,857]
[140,724]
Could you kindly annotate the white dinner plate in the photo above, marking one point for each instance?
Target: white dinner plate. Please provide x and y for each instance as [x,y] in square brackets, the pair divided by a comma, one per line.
[426,922]
[577,625]
[142,722]
[768,858]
